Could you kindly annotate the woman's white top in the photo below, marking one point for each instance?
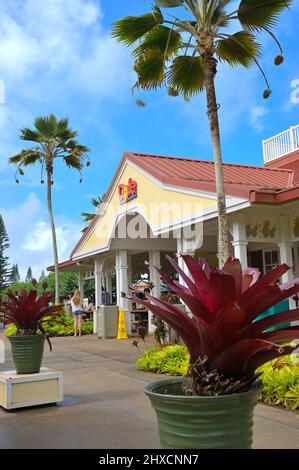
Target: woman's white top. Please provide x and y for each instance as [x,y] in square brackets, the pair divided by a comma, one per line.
[75,308]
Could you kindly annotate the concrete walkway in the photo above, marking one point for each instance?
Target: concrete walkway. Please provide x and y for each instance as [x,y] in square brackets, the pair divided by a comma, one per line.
[105,408]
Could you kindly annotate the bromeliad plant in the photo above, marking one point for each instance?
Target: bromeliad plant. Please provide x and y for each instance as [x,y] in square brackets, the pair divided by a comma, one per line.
[29,313]
[225,340]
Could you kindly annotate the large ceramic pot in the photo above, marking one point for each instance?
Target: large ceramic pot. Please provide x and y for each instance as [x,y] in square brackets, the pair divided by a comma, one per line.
[27,353]
[199,422]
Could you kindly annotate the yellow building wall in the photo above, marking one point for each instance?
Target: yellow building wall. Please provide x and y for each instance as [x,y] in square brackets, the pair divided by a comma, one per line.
[150,196]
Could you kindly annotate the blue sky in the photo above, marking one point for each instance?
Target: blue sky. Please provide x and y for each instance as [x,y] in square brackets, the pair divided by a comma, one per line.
[58,57]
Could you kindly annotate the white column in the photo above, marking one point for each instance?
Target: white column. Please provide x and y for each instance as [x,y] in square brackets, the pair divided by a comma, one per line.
[184,246]
[98,272]
[81,283]
[154,260]
[285,250]
[285,246]
[239,239]
[122,285]
[108,282]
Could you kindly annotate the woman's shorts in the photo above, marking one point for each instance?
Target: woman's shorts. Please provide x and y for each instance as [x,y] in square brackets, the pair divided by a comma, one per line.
[78,313]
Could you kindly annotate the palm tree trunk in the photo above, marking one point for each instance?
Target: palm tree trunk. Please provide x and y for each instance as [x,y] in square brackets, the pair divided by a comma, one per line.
[53,231]
[210,69]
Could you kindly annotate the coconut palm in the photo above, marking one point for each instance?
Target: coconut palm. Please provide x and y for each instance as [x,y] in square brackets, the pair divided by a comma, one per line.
[54,140]
[183,52]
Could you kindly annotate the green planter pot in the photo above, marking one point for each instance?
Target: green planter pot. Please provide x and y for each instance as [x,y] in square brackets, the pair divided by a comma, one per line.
[27,353]
[184,422]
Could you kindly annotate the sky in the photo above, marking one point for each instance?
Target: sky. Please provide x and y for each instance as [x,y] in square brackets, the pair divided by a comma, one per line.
[58,57]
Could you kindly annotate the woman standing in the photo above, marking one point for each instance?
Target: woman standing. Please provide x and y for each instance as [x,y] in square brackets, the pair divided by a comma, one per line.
[77,311]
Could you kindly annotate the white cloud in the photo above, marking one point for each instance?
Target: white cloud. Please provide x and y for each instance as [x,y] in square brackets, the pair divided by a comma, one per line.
[256,117]
[30,235]
[61,37]
[52,54]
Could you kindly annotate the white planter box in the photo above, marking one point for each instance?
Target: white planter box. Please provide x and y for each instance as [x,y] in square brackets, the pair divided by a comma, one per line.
[19,391]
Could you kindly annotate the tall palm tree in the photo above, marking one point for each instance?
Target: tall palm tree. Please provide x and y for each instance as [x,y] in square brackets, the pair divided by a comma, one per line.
[54,140]
[183,52]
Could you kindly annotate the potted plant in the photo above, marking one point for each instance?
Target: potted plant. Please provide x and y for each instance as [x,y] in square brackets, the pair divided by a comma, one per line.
[212,407]
[29,313]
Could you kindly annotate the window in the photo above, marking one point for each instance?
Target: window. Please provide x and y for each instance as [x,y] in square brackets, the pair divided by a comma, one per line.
[270,260]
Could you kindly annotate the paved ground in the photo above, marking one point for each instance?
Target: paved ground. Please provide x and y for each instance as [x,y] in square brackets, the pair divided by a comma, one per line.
[104,405]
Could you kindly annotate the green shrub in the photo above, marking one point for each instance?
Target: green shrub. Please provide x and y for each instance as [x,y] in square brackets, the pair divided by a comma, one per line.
[55,329]
[280,378]
[281,383]
[170,360]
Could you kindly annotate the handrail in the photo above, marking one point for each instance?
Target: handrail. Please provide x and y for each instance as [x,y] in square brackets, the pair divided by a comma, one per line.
[281,144]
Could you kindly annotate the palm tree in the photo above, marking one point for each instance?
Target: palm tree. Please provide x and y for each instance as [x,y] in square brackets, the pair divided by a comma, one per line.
[54,140]
[182,53]
[87,216]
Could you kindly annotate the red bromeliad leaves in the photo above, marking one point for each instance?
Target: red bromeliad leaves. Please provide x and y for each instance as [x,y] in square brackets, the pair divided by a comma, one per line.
[224,305]
[28,312]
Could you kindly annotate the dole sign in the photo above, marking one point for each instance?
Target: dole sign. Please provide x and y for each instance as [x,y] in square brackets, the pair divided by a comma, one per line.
[127,192]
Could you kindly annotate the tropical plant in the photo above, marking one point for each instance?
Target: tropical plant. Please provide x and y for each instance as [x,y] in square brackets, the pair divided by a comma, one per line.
[182,53]
[281,383]
[225,342]
[170,360]
[54,140]
[5,271]
[87,216]
[30,313]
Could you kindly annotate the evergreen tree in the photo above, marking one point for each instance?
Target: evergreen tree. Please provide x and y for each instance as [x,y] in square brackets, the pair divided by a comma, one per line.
[42,277]
[15,275]
[29,276]
[5,271]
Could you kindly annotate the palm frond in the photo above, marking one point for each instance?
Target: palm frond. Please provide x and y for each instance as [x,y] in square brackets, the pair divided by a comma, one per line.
[29,135]
[186,74]
[257,14]
[81,149]
[220,18]
[26,157]
[87,217]
[32,158]
[96,202]
[132,28]
[73,161]
[46,126]
[238,49]
[16,158]
[63,131]
[150,69]
[170,3]
[161,37]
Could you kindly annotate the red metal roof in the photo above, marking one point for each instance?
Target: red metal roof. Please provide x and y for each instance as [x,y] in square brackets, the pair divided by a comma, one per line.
[290,162]
[239,180]
[65,264]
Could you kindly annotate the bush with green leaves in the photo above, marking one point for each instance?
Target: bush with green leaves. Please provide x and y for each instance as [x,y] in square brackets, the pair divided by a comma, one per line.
[18,286]
[54,329]
[281,383]
[280,377]
[170,360]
